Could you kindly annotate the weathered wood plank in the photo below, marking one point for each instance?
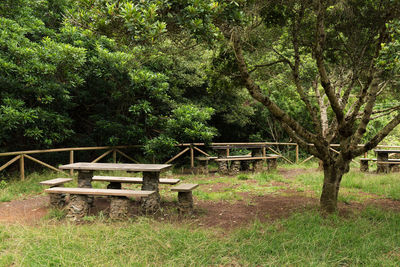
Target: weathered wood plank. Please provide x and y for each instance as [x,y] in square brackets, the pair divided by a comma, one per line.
[97,191]
[56,181]
[116,167]
[184,187]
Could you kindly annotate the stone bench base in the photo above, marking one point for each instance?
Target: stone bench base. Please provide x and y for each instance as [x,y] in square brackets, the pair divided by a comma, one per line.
[185,197]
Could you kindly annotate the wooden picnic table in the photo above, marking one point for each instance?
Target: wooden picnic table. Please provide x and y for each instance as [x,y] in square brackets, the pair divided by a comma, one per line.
[383,161]
[240,162]
[151,176]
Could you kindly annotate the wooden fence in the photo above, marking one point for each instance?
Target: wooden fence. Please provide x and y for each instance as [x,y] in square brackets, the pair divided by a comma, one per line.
[114,150]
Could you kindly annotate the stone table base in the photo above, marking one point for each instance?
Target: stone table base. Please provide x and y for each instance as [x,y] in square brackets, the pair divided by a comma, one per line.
[119,207]
[150,204]
[223,167]
[78,207]
[235,167]
[85,181]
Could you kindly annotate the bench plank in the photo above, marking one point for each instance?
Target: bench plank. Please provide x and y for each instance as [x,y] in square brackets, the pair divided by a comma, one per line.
[56,181]
[132,180]
[184,187]
[97,191]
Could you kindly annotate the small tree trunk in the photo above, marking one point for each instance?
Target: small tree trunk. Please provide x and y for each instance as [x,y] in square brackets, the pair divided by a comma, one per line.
[332,177]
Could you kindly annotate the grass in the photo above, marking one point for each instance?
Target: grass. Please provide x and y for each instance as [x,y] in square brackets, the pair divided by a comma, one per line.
[17,189]
[370,238]
[354,182]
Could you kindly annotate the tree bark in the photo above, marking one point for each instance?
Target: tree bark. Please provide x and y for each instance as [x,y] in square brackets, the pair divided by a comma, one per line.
[333,174]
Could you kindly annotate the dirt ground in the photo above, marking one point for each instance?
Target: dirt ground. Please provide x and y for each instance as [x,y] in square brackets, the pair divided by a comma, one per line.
[220,214]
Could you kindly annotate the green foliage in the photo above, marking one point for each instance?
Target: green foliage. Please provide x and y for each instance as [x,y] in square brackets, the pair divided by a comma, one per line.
[188,123]
[161,147]
[36,79]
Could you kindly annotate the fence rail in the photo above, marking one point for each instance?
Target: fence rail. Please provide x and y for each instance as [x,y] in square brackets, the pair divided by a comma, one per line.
[114,150]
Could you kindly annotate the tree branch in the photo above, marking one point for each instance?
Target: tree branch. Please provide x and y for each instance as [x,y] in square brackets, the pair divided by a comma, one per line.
[296,73]
[255,92]
[267,65]
[319,49]
[378,137]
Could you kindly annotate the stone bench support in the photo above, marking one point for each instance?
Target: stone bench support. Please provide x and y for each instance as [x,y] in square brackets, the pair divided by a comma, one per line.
[185,197]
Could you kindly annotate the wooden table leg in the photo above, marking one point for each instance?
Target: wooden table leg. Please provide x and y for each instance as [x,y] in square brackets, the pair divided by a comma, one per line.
[151,204]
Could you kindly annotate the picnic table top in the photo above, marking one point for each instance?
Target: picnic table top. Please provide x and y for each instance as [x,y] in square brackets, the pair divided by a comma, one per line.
[88,166]
[387,150]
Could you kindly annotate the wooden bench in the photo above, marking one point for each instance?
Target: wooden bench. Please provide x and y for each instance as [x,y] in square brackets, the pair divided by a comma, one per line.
[364,165]
[57,200]
[185,197]
[115,182]
[78,206]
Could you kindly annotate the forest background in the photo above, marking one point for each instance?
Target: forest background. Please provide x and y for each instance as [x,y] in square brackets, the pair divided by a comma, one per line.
[90,73]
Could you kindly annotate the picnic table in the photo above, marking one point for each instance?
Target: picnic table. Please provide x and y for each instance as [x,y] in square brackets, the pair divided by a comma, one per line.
[241,162]
[151,176]
[384,164]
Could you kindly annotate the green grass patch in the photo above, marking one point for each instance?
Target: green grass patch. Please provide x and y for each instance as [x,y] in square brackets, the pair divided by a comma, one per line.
[266,177]
[370,238]
[17,189]
[386,185]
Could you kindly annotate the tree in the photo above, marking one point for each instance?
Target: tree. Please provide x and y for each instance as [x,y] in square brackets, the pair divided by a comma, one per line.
[339,72]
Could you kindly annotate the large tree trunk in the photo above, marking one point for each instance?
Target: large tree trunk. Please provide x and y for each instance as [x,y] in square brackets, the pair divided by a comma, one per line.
[333,174]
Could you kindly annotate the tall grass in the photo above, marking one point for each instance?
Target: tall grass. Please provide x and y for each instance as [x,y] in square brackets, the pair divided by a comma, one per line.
[369,239]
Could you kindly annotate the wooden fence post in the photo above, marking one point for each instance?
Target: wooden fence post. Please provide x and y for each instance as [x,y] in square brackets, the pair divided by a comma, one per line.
[114,154]
[191,156]
[71,160]
[297,154]
[22,167]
